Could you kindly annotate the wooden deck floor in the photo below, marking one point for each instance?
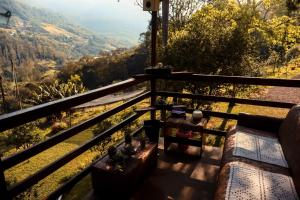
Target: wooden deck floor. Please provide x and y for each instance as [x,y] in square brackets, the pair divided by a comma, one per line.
[182,177]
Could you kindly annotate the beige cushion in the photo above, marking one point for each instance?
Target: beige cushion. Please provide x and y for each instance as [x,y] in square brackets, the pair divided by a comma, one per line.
[228,157]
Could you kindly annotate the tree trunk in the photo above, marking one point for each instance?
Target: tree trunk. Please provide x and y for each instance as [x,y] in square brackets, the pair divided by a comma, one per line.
[15,79]
[2,91]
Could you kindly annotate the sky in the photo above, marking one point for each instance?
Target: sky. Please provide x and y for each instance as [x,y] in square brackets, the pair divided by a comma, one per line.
[105,16]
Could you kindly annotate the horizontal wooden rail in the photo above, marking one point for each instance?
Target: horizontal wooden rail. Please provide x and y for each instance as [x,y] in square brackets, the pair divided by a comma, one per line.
[44,172]
[208,113]
[185,76]
[227,99]
[181,140]
[74,180]
[264,123]
[214,132]
[17,118]
[35,149]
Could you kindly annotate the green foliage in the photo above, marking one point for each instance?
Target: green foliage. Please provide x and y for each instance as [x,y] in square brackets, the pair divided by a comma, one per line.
[216,40]
[108,67]
[293,53]
[46,93]
[23,136]
[180,12]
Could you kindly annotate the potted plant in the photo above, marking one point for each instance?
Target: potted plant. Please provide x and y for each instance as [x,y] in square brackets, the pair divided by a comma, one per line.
[128,150]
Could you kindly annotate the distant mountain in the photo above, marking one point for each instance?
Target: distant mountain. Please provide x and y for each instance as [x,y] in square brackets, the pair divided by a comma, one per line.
[123,20]
[36,33]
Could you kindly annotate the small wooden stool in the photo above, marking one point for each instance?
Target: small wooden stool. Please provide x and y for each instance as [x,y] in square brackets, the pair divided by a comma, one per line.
[184,125]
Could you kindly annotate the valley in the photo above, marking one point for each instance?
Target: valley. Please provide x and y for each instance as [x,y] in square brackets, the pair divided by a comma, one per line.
[49,35]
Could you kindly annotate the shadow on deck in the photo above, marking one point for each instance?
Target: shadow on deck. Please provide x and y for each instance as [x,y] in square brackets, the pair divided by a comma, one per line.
[185,176]
[181,176]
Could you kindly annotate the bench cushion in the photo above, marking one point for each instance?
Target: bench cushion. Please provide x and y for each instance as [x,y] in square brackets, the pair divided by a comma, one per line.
[242,181]
[259,148]
[289,136]
[224,177]
[229,148]
[228,158]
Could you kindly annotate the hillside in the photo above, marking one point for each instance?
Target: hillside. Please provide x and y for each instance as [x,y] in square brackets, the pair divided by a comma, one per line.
[122,20]
[35,33]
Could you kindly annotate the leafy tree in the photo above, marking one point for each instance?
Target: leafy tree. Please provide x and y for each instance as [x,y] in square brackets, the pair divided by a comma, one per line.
[108,67]
[216,40]
[180,12]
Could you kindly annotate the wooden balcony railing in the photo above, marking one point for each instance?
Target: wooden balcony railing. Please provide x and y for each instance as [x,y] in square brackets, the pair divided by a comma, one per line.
[15,119]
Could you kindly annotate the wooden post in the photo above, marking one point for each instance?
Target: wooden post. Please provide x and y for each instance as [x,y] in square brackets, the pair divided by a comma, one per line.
[153,97]
[163,117]
[153,59]
[3,189]
[153,38]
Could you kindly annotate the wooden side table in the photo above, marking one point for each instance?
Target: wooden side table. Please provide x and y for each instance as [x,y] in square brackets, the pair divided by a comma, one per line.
[111,183]
[184,125]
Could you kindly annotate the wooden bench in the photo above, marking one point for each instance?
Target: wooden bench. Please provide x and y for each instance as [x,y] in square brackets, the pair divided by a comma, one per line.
[286,131]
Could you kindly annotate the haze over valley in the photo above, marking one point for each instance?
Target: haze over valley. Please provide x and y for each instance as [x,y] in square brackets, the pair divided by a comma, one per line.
[122,20]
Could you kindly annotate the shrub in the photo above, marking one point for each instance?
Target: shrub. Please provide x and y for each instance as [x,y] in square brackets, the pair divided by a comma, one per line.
[23,136]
